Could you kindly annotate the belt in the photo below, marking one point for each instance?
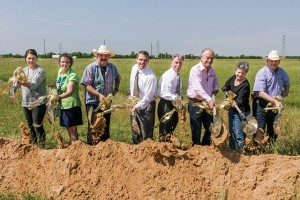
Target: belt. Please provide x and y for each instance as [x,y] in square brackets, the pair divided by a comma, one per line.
[194,99]
[165,99]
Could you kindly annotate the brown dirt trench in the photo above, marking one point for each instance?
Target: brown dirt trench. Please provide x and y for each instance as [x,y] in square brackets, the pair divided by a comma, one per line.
[150,170]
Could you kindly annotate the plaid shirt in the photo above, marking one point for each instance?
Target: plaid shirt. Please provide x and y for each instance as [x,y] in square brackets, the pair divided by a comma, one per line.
[92,76]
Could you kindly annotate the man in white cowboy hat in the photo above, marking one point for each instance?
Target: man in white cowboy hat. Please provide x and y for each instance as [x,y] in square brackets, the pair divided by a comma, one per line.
[270,81]
[100,79]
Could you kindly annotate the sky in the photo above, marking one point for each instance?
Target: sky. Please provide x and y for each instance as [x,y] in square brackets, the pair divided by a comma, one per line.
[229,27]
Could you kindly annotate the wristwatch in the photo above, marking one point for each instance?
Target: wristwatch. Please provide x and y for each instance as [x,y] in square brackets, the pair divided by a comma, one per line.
[116,89]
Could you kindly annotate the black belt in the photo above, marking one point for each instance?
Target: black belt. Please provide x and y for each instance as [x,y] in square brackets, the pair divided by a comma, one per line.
[165,100]
[195,100]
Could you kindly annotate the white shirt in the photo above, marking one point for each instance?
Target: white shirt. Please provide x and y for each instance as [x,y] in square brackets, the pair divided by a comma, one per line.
[147,86]
[169,84]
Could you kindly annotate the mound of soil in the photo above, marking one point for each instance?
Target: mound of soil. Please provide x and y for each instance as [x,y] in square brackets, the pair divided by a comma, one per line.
[150,170]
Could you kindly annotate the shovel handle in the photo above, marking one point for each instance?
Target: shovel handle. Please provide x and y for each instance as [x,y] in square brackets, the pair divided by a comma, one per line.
[240,112]
[214,108]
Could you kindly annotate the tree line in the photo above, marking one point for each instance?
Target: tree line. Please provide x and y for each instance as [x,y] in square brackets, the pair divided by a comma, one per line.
[134,54]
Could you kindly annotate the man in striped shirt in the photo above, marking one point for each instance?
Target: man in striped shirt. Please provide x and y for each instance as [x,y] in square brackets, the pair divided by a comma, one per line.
[100,79]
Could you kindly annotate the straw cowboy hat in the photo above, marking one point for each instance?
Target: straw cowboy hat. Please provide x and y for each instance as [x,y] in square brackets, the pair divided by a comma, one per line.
[103,50]
[273,55]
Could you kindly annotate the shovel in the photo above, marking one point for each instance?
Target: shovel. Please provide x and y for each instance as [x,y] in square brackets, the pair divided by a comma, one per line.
[216,127]
[249,124]
[276,123]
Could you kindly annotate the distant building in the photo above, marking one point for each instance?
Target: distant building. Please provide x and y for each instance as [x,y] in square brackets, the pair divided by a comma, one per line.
[55,56]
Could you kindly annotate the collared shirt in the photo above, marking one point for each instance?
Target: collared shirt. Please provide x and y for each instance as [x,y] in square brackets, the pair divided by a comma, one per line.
[170,85]
[62,83]
[202,82]
[37,81]
[147,86]
[271,82]
[92,76]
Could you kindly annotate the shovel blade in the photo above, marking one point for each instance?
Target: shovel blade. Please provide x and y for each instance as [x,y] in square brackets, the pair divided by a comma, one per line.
[251,127]
[277,124]
[249,118]
[215,129]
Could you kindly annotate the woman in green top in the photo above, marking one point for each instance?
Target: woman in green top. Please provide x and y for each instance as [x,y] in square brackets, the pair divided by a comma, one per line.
[68,90]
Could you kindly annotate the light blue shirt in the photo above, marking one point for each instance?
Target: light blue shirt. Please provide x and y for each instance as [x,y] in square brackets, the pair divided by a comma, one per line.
[271,82]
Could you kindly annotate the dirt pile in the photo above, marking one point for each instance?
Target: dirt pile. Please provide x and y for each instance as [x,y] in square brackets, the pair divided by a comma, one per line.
[150,170]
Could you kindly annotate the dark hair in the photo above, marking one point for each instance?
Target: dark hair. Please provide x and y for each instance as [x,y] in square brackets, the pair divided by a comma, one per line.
[145,53]
[30,51]
[178,56]
[67,56]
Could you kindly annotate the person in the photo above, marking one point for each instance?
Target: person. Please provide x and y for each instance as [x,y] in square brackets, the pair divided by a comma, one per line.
[67,85]
[240,86]
[100,79]
[142,86]
[169,90]
[202,84]
[270,81]
[31,92]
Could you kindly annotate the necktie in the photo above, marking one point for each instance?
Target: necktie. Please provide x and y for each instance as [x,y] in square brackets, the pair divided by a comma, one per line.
[136,85]
[178,86]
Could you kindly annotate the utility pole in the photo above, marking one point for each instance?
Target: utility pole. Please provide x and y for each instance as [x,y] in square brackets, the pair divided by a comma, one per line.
[157,48]
[45,47]
[151,55]
[283,46]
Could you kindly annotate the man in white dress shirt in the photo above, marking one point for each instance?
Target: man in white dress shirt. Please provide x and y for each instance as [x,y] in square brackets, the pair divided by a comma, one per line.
[143,86]
[169,90]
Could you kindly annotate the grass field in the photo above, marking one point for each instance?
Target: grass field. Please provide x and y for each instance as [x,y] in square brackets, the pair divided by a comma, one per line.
[12,114]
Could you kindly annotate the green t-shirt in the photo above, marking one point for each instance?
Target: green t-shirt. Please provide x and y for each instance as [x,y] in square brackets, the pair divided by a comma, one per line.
[63,80]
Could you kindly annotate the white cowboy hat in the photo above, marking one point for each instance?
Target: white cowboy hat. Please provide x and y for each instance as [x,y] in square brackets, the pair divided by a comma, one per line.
[273,55]
[103,50]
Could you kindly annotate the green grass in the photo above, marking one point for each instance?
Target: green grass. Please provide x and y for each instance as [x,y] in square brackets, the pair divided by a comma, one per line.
[24,196]
[12,114]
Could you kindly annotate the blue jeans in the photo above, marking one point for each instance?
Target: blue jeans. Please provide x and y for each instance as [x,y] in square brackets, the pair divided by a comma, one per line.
[197,120]
[266,120]
[237,135]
